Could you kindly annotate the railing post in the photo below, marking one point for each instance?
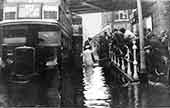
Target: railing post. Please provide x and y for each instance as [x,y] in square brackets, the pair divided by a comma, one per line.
[129,72]
[114,58]
[118,62]
[123,64]
[135,74]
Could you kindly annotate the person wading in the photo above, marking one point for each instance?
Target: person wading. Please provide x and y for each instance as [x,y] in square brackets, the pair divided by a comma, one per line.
[88,60]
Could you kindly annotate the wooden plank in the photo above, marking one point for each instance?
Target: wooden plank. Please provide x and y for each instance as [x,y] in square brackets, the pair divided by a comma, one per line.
[125,74]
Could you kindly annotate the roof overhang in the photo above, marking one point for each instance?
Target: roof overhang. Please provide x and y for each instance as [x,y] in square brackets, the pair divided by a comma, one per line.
[93,6]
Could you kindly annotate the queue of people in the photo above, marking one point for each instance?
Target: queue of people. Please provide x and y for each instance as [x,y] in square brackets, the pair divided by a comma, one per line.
[155,47]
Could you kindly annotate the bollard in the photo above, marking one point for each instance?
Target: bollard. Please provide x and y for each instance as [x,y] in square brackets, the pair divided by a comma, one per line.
[135,74]
[129,72]
[123,64]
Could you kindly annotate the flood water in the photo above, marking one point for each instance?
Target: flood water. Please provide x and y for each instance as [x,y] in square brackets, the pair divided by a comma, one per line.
[91,91]
[99,94]
[96,91]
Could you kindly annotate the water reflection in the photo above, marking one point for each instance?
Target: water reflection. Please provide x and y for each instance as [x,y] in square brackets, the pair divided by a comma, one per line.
[130,93]
[96,91]
[136,97]
[99,95]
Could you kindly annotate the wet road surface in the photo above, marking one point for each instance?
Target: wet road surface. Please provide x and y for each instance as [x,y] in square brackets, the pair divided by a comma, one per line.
[92,92]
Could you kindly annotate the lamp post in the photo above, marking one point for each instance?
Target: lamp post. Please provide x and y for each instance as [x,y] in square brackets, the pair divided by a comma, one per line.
[143,74]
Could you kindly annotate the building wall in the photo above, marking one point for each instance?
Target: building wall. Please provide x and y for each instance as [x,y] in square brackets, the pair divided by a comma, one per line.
[160,12]
[111,18]
[107,18]
[160,17]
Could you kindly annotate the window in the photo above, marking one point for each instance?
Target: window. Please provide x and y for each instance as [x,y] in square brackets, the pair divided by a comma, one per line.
[10,12]
[50,11]
[49,38]
[121,15]
[10,15]
[125,16]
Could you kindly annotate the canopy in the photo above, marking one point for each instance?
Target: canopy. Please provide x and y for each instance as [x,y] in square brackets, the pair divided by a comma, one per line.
[92,6]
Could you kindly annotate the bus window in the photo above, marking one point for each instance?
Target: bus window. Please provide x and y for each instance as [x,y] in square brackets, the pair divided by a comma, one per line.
[14,34]
[50,38]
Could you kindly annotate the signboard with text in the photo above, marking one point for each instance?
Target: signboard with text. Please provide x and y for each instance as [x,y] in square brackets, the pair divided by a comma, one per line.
[29,11]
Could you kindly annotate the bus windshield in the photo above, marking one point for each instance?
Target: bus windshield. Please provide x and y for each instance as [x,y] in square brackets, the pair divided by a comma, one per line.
[14,34]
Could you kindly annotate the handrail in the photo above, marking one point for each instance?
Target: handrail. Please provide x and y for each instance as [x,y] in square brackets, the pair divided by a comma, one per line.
[127,64]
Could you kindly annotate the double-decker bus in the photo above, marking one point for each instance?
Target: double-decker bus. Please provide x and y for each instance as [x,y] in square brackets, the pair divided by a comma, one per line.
[35,37]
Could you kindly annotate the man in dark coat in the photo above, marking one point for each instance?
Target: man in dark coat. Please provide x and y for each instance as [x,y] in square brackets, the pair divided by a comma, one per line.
[87,42]
[156,60]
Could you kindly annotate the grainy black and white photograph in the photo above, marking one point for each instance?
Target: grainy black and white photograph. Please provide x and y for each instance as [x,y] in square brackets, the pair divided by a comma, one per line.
[84,53]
